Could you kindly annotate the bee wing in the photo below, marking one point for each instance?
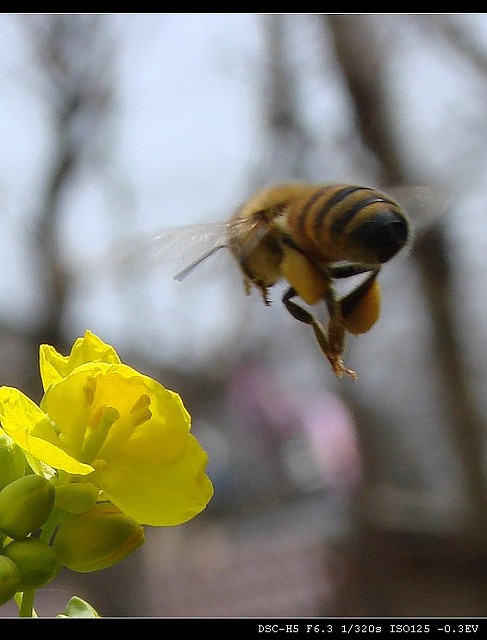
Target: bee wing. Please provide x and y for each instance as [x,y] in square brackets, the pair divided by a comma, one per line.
[424,205]
[169,245]
[192,265]
[180,242]
[254,232]
[250,232]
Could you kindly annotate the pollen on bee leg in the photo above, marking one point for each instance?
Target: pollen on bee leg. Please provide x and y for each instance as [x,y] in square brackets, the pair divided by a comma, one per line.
[140,412]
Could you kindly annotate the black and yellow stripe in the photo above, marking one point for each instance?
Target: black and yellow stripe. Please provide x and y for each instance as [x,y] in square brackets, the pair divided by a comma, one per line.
[347,222]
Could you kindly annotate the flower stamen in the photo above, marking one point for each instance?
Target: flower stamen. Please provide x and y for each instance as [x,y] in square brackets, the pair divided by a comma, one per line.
[89,390]
[140,412]
[102,422]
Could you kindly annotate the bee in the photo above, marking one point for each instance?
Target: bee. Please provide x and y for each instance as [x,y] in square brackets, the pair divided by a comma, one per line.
[310,236]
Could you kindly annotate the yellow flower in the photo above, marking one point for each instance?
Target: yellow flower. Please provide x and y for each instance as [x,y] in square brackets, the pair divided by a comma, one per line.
[109,425]
[54,367]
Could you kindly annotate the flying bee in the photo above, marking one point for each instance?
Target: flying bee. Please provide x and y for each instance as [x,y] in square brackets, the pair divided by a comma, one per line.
[310,236]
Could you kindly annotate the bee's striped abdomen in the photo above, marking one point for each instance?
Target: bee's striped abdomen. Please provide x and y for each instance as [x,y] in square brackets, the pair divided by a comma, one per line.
[342,222]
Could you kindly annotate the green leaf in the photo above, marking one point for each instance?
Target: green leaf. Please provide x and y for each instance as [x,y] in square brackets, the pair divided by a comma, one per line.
[78,608]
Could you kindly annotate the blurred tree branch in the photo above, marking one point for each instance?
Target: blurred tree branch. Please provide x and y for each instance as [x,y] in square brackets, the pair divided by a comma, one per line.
[73,57]
[76,63]
[361,56]
[288,139]
[362,65]
[362,61]
[448,29]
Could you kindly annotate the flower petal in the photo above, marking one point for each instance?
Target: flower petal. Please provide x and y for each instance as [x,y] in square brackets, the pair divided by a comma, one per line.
[53,365]
[156,491]
[90,348]
[20,416]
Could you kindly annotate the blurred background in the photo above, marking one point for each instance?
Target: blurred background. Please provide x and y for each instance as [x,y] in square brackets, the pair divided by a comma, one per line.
[332,497]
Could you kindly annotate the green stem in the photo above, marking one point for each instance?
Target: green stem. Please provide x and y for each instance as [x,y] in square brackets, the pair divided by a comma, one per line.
[55,518]
[25,600]
[26,608]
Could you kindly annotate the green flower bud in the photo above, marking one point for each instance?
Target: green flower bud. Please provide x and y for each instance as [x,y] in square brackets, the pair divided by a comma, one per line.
[35,560]
[25,505]
[12,460]
[76,497]
[97,538]
[9,579]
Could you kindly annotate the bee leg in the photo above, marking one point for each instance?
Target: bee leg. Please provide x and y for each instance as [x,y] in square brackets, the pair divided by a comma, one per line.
[353,269]
[333,348]
[264,293]
[350,301]
[336,335]
[265,297]
[249,282]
